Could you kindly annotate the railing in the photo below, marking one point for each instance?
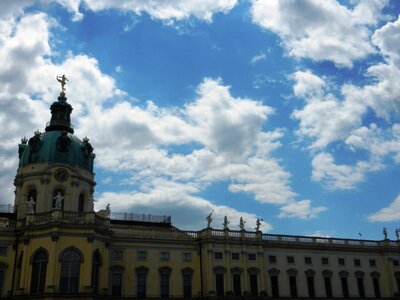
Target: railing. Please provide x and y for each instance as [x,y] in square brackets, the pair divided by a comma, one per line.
[42,218]
[141,218]
[58,123]
[6,208]
[7,224]
[56,216]
[294,239]
[128,231]
[73,216]
[325,240]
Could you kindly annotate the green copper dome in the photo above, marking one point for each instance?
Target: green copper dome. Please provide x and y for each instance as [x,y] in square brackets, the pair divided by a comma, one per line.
[57,144]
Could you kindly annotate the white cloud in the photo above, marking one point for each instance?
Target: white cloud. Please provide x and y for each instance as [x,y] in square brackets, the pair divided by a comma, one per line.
[166,10]
[221,137]
[300,209]
[29,86]
[320,29]
[387,37]
[340,176]
[257,58]
[189,211]
[377,141]
[387,214]
[324,118]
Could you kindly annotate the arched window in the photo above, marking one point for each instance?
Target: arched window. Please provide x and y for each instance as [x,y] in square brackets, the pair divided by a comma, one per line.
[236,280]
[70,269]
[292,273]
[219,280]
[164,281]
[3,268]
[39,265]
[141,281]
[81,202]
[327,274]
[310,282]
[187,274]
[253,279]
[274,272]
[96,263]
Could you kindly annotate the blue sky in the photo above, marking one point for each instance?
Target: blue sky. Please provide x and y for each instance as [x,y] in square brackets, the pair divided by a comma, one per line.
[284,110]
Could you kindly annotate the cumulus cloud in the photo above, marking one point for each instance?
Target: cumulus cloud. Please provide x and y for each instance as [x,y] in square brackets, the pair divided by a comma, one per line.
[324,118]
[340,176]
[329,117]
[161,10]
[28,85]
[169,154]
[387,37]
[189,210]
[167,10]
[320,29]
[221,138]
[387,214]
[300,209]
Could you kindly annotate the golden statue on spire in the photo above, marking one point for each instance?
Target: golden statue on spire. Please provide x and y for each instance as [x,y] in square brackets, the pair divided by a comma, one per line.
[62,80]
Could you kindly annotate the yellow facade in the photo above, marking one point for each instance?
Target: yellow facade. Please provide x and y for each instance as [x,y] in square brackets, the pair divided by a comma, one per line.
[53,245]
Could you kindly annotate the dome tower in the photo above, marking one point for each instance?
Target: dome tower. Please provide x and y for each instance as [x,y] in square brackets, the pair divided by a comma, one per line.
[55,167]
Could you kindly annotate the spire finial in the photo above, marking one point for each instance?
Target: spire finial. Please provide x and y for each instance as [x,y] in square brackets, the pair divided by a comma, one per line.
[62,80]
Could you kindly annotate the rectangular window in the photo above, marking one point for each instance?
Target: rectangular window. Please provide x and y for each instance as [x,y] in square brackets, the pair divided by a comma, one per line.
[218,255]
[272,259]
[310,285]
[219,284]
[116,254]
[341,261]
[372,263]
[328,287]
[290,259]
[293,286]
[235,256]
[377,288]
[345,287]
[361,290]
[164,285]
[357,262]
[141,255]
[141,285]
[116,284]
[187,256]
[325,261]
[164,255]
[275,286]
[307,260]
[237,289]
[252,256]
[3,250]
[187,286]
[253,285]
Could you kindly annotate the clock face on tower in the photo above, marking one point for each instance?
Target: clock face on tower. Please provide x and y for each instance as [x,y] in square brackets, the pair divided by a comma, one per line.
[61,175]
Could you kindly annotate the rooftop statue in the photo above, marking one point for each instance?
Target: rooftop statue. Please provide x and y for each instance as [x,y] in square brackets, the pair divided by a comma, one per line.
[62,80]
[226,223]
[241,224]
[209,219]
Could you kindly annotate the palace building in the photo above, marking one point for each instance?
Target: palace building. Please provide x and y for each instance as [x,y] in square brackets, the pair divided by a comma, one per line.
[53,245]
